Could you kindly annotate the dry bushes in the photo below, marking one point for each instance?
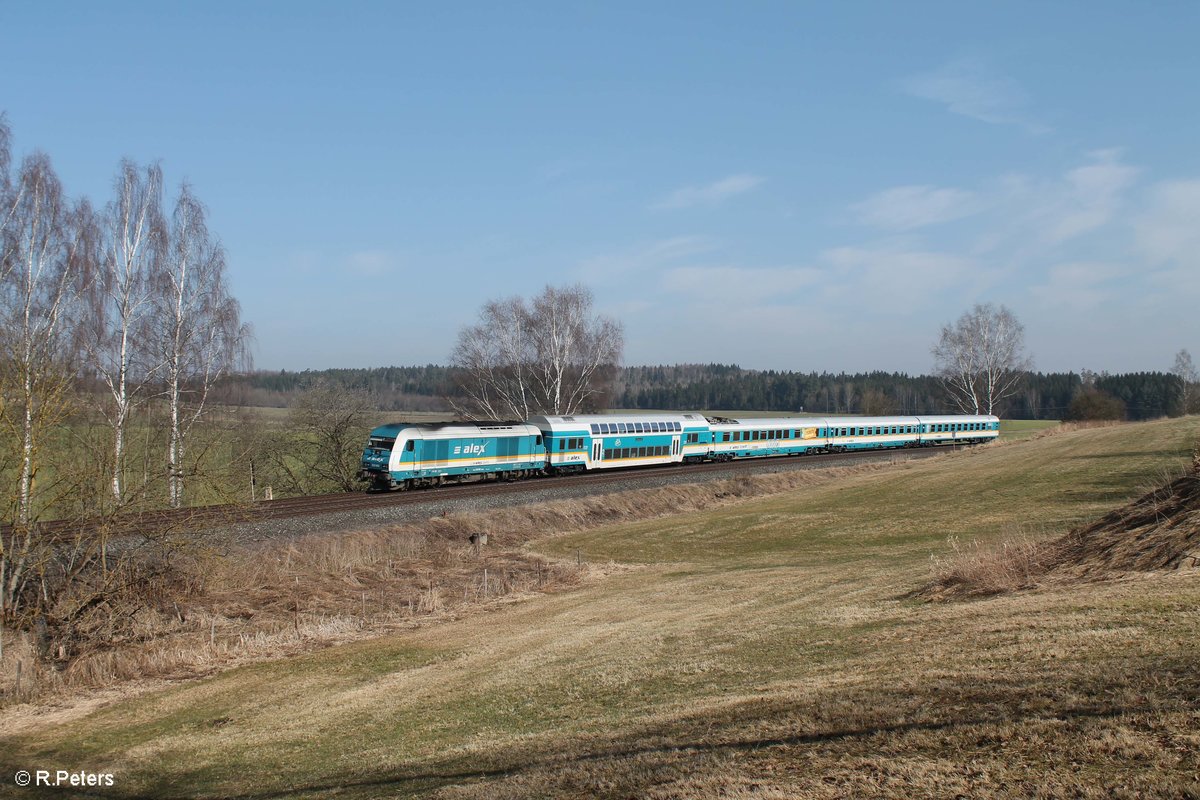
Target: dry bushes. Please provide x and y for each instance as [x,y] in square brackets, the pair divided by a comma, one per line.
[977,571]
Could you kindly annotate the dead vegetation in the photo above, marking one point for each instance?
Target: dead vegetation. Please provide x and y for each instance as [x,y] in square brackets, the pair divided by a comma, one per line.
[277,599]
[1158,531]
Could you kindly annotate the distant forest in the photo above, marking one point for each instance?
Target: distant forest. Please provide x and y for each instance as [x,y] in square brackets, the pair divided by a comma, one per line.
[1145,395]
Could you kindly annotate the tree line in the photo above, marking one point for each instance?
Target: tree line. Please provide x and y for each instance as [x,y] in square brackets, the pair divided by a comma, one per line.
[1040,395]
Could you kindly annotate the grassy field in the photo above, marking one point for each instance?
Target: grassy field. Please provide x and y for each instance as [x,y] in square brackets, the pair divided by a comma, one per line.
[767,649]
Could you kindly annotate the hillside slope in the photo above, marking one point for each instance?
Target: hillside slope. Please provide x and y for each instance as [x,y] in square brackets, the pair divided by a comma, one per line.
[765,649]
[1160,530]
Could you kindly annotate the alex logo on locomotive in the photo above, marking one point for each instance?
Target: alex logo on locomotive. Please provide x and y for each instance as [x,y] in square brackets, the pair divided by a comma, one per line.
[470,449]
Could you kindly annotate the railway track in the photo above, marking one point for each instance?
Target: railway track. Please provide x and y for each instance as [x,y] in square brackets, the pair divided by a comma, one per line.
[268,510]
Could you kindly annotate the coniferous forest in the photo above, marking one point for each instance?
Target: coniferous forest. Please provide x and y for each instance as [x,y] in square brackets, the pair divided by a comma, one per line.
[1141,395]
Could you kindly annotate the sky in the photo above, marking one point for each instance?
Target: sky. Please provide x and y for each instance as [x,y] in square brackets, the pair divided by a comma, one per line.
[795,186]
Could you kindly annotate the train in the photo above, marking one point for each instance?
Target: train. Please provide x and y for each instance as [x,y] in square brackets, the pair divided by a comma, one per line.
[410,455]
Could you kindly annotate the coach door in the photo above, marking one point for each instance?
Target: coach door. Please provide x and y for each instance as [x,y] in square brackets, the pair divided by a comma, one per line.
[674,445]
[597,449]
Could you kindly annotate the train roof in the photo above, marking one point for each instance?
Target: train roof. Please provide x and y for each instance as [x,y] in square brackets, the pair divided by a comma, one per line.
[454,429]
[765,422]
[839,421]
[576,421]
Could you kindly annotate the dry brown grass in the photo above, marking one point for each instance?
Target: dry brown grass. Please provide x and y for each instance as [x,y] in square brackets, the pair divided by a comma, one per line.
[277,599]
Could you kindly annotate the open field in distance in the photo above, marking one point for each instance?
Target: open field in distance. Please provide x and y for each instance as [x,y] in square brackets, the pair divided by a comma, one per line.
[769,648]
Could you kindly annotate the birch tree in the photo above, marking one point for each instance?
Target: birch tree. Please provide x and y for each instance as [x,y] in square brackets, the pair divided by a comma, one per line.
[553,355]
[1189,379]
[47,244]
[122,300]
[980,359]
[199,329]
[493,363]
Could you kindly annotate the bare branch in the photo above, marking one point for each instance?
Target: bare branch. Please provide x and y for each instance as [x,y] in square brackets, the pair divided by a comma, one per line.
[980,359]
[553,356]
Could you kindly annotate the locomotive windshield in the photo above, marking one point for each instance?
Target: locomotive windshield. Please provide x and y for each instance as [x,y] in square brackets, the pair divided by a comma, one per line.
[380,443]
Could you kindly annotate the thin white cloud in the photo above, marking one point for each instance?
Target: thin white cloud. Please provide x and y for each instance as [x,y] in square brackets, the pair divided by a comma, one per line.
[908,207]
[722,285]
[967,87]
[642,259]
[709,195]
[1090,196]
[1168,229]
[1030,216]
[900,278]
[1080,286]
[370,263]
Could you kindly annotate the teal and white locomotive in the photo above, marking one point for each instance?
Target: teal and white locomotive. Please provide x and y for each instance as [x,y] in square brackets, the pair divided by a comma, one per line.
[408,456]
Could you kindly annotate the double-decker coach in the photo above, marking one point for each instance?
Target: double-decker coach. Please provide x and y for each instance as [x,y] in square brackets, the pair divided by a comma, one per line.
[602,441]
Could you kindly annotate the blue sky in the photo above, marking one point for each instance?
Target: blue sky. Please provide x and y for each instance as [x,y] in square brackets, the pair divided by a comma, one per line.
[781,185]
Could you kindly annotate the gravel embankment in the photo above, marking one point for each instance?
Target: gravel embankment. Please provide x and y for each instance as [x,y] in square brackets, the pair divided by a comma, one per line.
[435,502]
